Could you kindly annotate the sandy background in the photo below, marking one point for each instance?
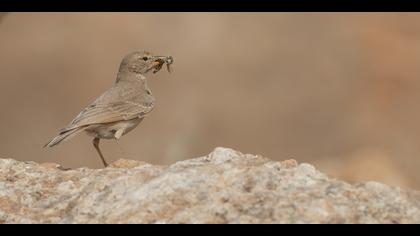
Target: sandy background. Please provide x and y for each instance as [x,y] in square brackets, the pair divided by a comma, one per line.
[340,91]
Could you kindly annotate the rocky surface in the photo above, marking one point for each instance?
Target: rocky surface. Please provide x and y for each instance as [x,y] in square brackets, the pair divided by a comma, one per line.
[222,187]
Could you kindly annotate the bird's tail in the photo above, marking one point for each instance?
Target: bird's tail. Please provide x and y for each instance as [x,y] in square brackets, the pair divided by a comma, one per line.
[63,136]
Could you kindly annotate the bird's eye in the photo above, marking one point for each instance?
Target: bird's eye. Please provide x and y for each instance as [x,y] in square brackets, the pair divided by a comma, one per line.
[145,58]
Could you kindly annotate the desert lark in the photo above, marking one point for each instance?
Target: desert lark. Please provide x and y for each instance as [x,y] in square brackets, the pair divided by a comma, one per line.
[120,109]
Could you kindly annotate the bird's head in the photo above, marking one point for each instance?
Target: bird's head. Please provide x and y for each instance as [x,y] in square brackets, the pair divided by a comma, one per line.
[143,62]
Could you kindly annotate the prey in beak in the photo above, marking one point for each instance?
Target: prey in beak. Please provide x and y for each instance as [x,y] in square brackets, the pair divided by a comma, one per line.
[160,61]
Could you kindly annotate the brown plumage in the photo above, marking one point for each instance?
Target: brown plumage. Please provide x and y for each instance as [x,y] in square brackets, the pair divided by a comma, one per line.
[120,109]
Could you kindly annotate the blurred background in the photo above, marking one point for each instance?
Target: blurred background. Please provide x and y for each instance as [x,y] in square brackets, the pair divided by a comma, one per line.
[339,91]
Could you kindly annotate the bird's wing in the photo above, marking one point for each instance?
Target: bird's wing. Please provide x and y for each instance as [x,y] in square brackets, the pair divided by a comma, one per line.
[99,113]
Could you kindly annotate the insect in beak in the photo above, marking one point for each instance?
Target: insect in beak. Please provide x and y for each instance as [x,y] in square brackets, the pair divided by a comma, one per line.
[157,65]
[169,61]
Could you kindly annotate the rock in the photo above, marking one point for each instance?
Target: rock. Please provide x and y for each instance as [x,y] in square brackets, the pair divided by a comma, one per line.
[225,186]
[123,163]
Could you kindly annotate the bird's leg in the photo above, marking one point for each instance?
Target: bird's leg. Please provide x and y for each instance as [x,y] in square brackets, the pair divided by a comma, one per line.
[96,145]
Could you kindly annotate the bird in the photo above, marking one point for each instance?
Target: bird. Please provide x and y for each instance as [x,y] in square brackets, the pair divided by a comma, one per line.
[121,108]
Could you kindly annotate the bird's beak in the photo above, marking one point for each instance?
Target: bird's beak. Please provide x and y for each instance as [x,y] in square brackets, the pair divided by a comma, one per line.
[166,59]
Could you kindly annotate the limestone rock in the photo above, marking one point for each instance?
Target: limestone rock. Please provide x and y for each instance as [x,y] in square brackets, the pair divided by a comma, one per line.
[225,186]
